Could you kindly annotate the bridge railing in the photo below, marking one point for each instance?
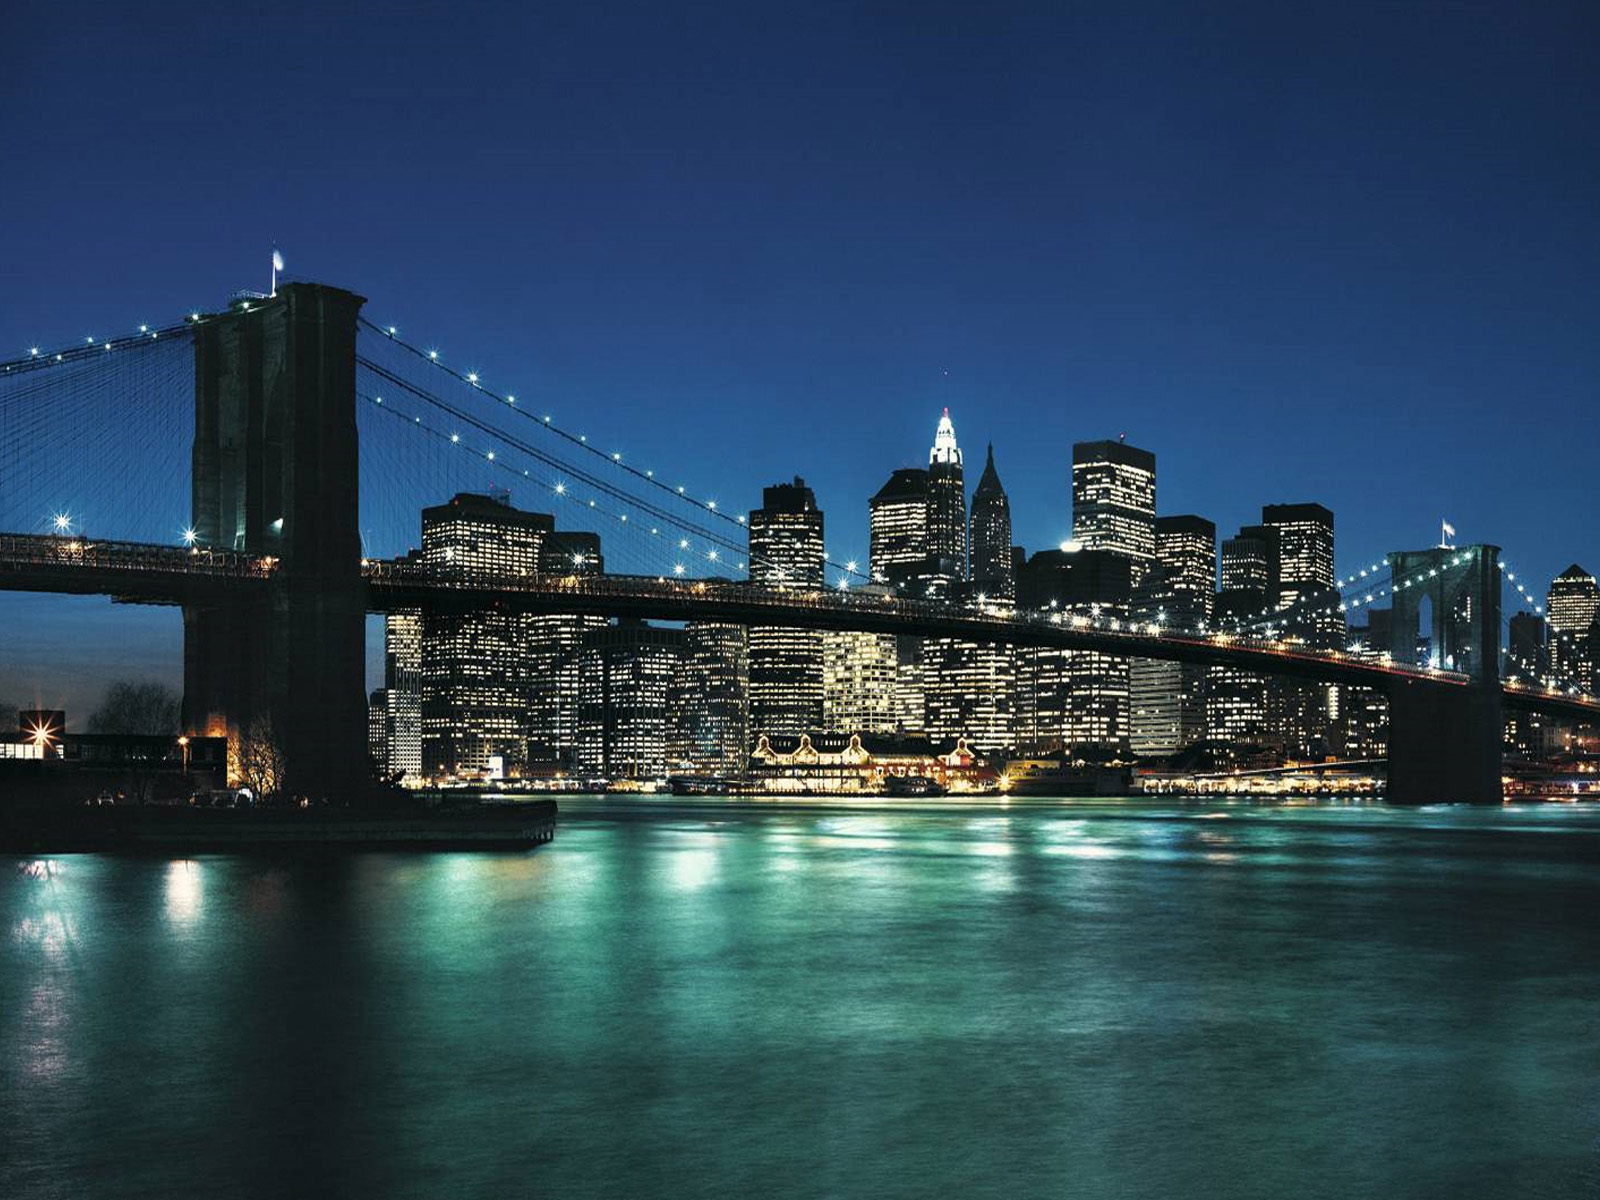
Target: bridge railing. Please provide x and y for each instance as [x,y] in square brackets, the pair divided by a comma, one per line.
[21,550]
[979,620]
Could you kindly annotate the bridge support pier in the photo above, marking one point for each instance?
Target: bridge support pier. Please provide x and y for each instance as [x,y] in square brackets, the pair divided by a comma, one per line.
[276,473]
[1444,744]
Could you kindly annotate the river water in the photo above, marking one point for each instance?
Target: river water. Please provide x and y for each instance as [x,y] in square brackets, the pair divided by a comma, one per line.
[739,998]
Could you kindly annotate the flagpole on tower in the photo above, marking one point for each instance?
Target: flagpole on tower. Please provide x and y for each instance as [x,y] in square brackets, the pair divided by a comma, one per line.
[277,265]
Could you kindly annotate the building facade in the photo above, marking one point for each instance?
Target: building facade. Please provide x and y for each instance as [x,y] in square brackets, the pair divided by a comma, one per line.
[990,553]
[947,503]
[626,675]
[1114,501]
[786,551]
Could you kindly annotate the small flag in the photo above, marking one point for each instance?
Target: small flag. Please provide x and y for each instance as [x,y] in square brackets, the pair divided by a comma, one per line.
[277,261]
[1449,529]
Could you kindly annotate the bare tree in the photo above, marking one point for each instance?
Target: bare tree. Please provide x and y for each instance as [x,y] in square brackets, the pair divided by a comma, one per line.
[261,759]
[142,708]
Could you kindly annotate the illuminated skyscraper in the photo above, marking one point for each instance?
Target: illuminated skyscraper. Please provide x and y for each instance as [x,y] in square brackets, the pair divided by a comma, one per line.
[625,712]
[968,692]
[551,644]
[858,682]
[947,502]
[991,535]
[1572,607]
[786,551]
[1304,715]
[475,678]
[1114,502]
[402,696]
[898,528]
[1167,699]
[1061,697]
[712,700]
[1236,700]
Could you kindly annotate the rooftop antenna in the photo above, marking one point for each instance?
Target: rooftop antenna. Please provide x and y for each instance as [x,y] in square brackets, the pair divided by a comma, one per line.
[277,265]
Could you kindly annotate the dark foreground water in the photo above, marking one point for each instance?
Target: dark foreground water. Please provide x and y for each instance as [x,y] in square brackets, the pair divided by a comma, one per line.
[737,999]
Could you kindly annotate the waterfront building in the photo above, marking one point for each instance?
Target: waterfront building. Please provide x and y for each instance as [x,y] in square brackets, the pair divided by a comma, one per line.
[712,702]
[1114,501]
[910,689]
[859,673]
[626,674]
[786,551]
[378,731]
[826,763]
[474,674]
[947,503]
[991,558]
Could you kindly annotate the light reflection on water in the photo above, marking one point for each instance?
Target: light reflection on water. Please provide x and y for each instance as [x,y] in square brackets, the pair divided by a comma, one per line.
[791,999]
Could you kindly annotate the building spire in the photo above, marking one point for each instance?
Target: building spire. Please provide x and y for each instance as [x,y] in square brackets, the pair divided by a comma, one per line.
[945,449]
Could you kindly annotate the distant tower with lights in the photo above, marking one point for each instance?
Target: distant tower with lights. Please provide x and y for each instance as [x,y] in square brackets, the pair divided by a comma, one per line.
[786,551]
[947,502]
[991,534]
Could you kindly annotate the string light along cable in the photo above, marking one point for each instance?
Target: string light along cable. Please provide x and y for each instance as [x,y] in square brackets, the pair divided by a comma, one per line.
[646,477]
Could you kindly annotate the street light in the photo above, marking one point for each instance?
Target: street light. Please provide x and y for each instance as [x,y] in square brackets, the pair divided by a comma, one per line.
[183,741]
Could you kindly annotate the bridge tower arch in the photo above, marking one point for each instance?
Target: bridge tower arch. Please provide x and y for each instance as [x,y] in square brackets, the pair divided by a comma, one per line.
[1445,743]
[275,473]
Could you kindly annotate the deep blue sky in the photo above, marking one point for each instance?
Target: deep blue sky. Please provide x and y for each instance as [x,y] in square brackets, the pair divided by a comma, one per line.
[1343,252]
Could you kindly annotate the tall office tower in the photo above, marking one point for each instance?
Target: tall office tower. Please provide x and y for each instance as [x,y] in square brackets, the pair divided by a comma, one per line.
[712,700]
[1305,567]
[898,528]
[1114,501]
[991,535]
[947,503]
[910,691]
[1167,699]
[786,551]
[1186,551]
[1069,697]
[1236,700]
[1571,606]
[858,682]
[551,644]
[968,692]
[1305,715]
[475,676]
[625,717]
[1528,734]
[402,696]
[378,731]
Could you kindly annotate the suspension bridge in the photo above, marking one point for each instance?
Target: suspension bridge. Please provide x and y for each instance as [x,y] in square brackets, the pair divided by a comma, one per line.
[264,467]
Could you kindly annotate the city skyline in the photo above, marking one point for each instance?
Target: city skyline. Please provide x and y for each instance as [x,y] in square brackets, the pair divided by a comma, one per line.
[1315,290]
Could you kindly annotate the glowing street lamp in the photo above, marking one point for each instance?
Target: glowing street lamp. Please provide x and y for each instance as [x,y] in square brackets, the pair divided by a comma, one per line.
[63,522]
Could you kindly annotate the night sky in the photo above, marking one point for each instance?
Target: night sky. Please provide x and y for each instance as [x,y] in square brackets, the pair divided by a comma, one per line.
[1344,252]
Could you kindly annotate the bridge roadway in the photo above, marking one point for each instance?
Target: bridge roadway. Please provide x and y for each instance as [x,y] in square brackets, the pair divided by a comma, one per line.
[141,573]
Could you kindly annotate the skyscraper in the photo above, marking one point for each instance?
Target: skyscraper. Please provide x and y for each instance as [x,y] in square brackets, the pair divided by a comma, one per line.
[712,702]
[1305,558]
[786,551]
[402,696]
[858,682]
[991,535]
[1304,715]
[551,645]
[1167,699]
[1114,501]
[475,678]
[898,528]
[947,503]
[1236,700]
[625,717]
[1572,607]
